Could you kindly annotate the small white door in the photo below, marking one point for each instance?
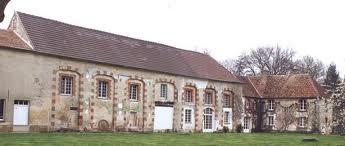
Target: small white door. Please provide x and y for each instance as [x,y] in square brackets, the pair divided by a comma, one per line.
[163,118]
[208,123]
[247,125]
[20,112]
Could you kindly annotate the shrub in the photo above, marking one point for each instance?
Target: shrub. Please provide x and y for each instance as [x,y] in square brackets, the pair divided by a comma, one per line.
[239,128]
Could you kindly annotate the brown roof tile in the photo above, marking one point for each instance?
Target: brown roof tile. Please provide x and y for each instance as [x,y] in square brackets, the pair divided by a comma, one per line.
[57,38]
[248,88]
[287,86]
[10,39]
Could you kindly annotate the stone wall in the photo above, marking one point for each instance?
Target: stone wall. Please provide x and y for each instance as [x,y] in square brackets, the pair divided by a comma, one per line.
[36,78]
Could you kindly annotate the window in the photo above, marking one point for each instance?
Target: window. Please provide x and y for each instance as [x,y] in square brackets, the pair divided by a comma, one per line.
[164,91]
[2,109]
[227,101]
[133,92]
[188,116]
[102,89]
[66,85]
[302,121]
[208,98]
[303,104]
[188,95]
[227,117]
[246,123]
[270,105]
[133,120]
[271,120]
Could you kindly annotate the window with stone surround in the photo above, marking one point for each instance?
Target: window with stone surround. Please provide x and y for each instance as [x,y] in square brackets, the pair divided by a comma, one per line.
[302,122]
[189,95]
[164,91]
[66,84]
[271,120]
[103,89]
[188,116]
[208,98]
[2,109]
[302,105]
[227,117]
[133,91]
[227,101]
[271,105]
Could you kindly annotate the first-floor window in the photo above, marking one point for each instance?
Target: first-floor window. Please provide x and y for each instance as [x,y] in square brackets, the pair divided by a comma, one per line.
[102,89]
[2,108]
[164,91]
[133,92]
[227,117]
[208,98]
[271,120]
[188,95]
[66,85]
[303,104]
[227,101]
[188,116]
[270,105]
[302,121]
[246,123]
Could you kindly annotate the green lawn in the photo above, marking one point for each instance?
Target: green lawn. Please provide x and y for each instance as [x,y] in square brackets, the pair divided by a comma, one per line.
[160,139]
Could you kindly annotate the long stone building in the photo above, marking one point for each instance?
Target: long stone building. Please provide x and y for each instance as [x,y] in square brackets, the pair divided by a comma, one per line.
[60,76]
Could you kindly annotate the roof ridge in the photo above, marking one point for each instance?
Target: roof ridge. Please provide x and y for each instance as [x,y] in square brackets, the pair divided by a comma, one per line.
[256,90]
[112,34]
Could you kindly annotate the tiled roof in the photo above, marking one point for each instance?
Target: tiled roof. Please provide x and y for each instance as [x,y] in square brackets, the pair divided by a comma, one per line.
[248,88]
[57,38]
[286,86]
[10,39]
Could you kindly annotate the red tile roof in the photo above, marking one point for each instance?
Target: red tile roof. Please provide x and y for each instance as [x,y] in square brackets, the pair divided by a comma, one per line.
[10,39]
[285,86]
[248,88]
[57,38]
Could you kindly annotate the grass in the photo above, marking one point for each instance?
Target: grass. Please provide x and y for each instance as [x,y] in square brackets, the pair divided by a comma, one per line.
[161,139]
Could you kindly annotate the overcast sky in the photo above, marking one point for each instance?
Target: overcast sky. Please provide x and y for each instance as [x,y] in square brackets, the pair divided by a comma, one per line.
[225,27]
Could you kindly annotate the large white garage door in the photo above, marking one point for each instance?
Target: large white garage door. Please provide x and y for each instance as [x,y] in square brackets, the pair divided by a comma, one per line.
[163,118]
[20,112]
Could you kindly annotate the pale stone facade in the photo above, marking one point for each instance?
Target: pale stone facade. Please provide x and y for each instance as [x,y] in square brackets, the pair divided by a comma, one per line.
[36,78]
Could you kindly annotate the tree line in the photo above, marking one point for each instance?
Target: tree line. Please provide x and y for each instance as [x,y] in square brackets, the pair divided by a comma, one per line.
[276,60]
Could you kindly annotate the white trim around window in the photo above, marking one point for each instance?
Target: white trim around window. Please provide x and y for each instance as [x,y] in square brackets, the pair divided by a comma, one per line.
[303,104]
[66,85]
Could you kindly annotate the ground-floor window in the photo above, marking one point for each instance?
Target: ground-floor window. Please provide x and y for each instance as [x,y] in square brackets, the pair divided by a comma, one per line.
[271,120]
[2,108]
[188,116]
[208,116]
[302,121]
[227,117]
[246,123]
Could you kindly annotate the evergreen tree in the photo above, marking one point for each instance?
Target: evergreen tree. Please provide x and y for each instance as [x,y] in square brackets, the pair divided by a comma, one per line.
[332,77]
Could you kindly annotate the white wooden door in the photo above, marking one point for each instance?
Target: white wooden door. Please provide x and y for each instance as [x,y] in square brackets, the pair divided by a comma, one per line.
[163,118]
[20,112]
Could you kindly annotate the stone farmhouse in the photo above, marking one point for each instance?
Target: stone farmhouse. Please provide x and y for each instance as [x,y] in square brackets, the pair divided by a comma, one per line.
[294,102]
[60,76]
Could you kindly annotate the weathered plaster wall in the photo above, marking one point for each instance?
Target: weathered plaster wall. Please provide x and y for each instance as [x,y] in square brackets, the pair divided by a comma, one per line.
[35,78]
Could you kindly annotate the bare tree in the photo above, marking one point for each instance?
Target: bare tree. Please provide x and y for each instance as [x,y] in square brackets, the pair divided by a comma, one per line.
[275,59]
[314,67]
